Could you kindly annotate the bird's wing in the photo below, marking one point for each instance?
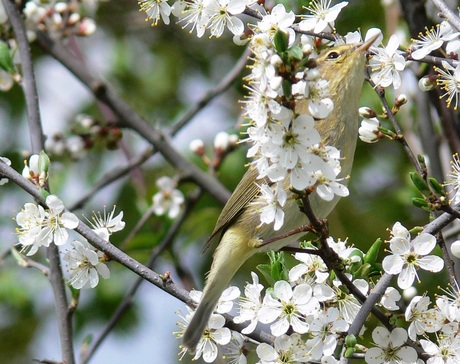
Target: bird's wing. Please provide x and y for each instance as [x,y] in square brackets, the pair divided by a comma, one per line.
[236,204]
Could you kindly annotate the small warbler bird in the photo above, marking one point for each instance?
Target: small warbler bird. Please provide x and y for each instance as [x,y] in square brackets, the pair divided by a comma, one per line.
[238,226]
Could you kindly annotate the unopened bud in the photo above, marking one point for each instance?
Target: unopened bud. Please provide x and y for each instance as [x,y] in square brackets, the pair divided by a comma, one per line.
[60,7]
[455,249]
[369,130]
[276,60]
[197,147]
[400,100]
[74,18]
[409,293]
[221,142]
[85,120]
[57,19]
[233,138]
[366,112]
[86,27]
[426,83]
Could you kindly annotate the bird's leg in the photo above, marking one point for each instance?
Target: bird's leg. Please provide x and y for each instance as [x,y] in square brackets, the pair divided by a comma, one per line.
[300,229]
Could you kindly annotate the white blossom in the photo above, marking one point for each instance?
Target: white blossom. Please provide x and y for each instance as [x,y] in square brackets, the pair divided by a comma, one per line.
[410,255]
[387,63]
[169,199]
[288,308]
[390,347]
[85,265]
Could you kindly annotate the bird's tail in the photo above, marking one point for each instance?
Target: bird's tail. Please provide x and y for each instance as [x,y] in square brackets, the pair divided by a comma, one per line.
[232,252]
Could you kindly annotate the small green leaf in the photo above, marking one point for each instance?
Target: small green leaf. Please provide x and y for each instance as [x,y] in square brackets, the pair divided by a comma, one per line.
[437,187]
[43,162]
[281,40]
[287,88]
[420,203]
[6,61]
[296,53]
[419,183]
[276,270]
[373,252]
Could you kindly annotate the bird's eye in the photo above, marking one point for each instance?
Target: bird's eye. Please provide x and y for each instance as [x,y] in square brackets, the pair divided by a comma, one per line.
[333,55]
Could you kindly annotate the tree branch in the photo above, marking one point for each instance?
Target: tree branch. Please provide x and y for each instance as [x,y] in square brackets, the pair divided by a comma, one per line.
[28,82]
[63,315]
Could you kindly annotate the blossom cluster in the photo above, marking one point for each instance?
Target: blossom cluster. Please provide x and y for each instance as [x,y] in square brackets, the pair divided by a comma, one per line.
[285,100]
[307,313]
[60,19]
[311,310]
[40,226]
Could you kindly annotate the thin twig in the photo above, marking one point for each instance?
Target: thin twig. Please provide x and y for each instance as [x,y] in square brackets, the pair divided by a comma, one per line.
[367,306]
[400,136]
[450,16]
[28,82]
[448,262]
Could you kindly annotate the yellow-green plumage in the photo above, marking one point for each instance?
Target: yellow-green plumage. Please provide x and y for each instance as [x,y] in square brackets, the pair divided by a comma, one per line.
[239,223]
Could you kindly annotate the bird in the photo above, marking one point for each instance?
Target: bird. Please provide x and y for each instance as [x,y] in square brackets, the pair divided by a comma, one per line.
[238,227]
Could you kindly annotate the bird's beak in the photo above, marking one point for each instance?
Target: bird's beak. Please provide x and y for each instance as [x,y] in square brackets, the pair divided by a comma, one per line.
[366,45]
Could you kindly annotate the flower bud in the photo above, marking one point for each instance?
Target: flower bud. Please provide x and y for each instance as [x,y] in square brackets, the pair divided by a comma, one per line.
[86,27]
[426,83]
[366,112]
[233,138]
[369,130]
[409,293]
[61,7]
[197,147]
[276,60]
[221,142]
[74,18]
[455,248]
[401,100]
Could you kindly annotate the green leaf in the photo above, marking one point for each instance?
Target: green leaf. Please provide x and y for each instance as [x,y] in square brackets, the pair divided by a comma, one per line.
[296,53]
[419,183]
[287,88]
[276,269]
[421,203]
[373,252]
[43,162]
[437,187]
[281,40]
[6,61]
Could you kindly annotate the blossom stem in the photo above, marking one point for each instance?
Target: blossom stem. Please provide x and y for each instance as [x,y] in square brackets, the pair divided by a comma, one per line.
[401,139]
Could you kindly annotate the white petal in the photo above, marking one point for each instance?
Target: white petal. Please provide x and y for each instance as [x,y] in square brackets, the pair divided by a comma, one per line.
[431,263]
[424,244]
[406,277]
